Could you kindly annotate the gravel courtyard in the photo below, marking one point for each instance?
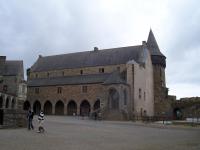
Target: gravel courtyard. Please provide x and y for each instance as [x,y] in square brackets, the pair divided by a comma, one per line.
[67,133]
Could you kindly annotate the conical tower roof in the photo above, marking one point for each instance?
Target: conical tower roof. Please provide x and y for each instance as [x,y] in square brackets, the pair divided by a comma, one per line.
[152,45]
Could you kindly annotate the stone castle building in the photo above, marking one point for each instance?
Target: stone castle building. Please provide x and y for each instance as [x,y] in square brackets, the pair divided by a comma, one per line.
[12,91]
[120,82]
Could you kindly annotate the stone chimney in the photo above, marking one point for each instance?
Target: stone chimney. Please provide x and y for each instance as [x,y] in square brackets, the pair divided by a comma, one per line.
[96,49]
[144,43]
[2,59]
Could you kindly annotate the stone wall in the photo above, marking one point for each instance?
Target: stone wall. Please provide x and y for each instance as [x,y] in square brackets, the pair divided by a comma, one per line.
[76,71]
[14,118]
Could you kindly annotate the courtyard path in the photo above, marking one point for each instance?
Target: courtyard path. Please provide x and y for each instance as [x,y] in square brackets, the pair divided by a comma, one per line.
[68,133]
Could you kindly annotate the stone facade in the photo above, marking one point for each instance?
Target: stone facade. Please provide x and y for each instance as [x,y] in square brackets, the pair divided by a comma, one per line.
[12,92]
[118,83]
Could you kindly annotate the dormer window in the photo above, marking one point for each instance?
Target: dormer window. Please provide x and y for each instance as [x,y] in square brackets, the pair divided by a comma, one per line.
[81,71]
[101,70]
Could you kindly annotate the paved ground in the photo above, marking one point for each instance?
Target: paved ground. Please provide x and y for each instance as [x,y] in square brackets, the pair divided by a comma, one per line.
[65,133]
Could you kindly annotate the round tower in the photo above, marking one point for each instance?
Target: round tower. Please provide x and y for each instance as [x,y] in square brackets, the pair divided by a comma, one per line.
[159,64]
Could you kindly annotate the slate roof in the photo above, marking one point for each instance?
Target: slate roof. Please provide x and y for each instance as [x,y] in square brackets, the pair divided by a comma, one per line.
[13,67]
[104,57]
[75,80]
[152,45]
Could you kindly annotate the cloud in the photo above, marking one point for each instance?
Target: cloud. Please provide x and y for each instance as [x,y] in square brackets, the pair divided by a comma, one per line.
[48,27]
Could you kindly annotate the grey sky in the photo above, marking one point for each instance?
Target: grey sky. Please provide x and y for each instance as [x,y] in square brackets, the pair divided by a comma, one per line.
[47,27]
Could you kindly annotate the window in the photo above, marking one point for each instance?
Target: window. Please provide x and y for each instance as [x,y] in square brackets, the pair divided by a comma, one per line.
[144,96]
[118,69]
[140,92]
[47,74]
[37,90]
[101,70]
[63,73]
[59,90]
[36,75]
[160,72]
[5,88]
[84,89]
[125,97]
[81,71]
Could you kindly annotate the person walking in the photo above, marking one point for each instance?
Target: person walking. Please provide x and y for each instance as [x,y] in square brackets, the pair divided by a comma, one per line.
[30,115]
[41,122]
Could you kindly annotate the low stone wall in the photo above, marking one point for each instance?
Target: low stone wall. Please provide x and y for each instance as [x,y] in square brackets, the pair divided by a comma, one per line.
[13,118]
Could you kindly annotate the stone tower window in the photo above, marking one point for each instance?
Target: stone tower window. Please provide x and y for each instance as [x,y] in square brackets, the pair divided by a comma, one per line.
[59,90]
[140,93]
[37,91]
[84,89]
[101,70]
[125,97]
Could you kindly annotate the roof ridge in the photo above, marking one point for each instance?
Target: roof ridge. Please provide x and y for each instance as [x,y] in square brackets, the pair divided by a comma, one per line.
[90,51]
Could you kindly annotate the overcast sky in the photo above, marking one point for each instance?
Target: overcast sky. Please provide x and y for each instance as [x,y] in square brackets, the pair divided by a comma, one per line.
[32,27]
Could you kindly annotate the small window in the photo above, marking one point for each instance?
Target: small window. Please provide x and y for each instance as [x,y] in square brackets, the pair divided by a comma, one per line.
[125,97]
[118,69]
[5,88]
[140,92]
[37,90]
[81,71]
[59,91]
[36,75]
[101,70]
[63,73]
[144,96]
[47,74]
[160,72]
[84,89]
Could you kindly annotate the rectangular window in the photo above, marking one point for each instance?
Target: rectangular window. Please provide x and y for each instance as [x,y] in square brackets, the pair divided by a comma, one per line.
[81,71]
[84,89]
[144,96]
[48,75]
[59,91]
[63,73]
[36,75]
[140,93]
[37,91]
[101,70]
[5,88]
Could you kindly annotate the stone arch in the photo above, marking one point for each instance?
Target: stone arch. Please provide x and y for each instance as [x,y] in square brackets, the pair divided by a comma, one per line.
[84,108]
[71,108]
[1,101]
[48,108]
[36,107]
[7,102]
[178,114]
[59,108]
[113,99]
[26,105]
[96,105]
[13,103]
